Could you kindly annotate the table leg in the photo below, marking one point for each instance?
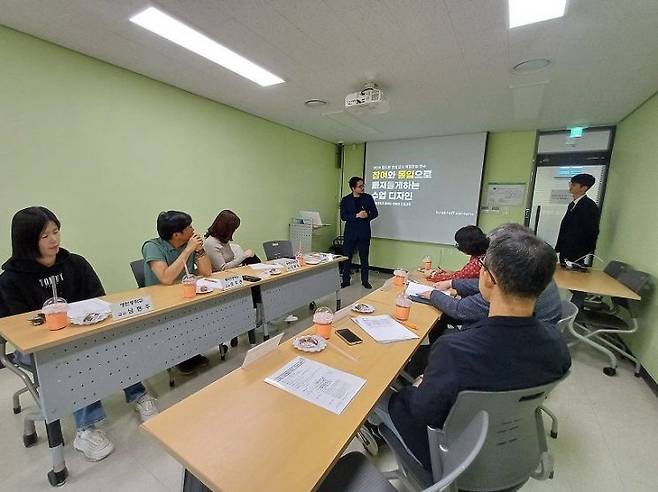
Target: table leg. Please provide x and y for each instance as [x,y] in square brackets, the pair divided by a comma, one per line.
[338,300]
[192,483]
[56,476]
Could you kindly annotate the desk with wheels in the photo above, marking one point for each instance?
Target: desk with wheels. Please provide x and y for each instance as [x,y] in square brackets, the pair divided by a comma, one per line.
[78,365]
[262,438]
[599,283]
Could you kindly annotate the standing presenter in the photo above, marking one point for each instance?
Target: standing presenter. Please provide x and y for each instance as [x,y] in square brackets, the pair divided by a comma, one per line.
[357,210]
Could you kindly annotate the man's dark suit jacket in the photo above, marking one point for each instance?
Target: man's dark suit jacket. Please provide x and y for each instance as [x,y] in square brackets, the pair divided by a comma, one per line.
[579,230]
[357,229]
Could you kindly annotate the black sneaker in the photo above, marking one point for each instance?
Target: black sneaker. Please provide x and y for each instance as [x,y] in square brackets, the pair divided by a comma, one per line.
[192,364]
[344,284]
[367,285]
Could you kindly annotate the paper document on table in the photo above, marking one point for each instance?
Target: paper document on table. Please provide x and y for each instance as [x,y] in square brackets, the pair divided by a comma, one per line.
[384,329]
[415,289]
[263,266]
[81,309]
[317,383]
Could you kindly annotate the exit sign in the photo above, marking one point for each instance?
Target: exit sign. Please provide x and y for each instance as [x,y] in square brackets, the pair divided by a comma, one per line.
[576,131]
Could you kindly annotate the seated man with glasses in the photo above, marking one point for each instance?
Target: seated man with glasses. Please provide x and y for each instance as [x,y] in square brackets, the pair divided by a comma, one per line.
[510,349]
[471,306]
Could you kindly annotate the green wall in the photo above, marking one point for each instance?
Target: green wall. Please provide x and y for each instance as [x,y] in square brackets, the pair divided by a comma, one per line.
[107,150]
[508,159]
[627,232]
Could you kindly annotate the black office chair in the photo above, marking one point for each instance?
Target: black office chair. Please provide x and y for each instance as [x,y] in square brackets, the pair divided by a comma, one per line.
[278,249]
[137,267]
[601,328]
[596,302]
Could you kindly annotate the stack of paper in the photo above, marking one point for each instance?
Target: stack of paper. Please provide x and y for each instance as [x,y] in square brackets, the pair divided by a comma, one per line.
[384,329]
[317,383]
[416,289]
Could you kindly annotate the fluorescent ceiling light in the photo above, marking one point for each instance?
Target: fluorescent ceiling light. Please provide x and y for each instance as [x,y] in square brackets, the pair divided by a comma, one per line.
[522,12]
[175,31]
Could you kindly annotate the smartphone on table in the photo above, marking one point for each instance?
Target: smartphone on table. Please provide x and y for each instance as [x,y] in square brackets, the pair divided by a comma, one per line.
[348,336]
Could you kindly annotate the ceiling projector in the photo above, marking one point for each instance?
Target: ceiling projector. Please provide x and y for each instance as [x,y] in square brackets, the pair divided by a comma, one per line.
[369,100]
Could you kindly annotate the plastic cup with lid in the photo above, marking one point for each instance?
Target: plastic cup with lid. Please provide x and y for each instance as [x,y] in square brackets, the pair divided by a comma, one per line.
[323,320]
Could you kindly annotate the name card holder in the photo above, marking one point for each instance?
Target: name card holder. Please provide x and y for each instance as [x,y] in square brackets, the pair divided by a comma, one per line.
[131,307]
[231,282]
[289,264]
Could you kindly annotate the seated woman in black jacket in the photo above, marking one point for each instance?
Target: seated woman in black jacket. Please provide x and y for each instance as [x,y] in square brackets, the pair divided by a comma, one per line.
[25,286]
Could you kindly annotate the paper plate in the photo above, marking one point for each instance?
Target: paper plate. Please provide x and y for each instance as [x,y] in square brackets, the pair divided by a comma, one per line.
[309,343]
[312,261]
[276,271]
[203,289]
[363,308]
[90,319]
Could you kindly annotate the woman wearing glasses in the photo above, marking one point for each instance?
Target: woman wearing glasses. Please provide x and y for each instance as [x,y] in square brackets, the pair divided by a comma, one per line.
[471,241]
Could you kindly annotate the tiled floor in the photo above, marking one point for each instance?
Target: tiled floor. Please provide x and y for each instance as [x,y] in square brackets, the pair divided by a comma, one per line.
[608,437]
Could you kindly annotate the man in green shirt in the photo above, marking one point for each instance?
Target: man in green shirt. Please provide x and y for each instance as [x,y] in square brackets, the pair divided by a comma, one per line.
[165,258]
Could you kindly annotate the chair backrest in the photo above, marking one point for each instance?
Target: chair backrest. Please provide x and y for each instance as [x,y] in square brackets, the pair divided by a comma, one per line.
[569,313]
[638,282]
[512,449]
[458,455]
[137,267]
[278,249]
[614,268]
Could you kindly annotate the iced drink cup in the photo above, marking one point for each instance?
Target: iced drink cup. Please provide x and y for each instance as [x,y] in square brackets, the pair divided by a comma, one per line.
[56,313]
[189,286]
[402,308]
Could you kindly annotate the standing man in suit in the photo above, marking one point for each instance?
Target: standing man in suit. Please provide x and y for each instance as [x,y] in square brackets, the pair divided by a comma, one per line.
[357,210]
[580,225]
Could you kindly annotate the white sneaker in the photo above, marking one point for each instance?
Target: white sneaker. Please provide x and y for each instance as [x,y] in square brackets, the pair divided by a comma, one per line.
[93,443]
[291,318]
[146,407]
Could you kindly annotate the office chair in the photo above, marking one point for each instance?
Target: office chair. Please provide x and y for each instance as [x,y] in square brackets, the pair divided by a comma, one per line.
[614,269]
[569,313]
[600,329]
[515,449]
[137,267]
[355,473]
[278,249]
[31,385]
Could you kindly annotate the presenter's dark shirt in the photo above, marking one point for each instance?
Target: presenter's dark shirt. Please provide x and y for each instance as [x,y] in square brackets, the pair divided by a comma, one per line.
[356,228]
[499,353]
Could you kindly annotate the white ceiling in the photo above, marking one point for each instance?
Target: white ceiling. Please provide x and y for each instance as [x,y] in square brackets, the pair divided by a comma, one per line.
[444,65]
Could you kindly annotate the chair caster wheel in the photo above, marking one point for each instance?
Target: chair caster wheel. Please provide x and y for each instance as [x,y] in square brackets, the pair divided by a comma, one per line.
[30,439]
[554,435]
[17,410]
[172,383]
[222,351]
[234,342]
[57,479]
[312,306]
[609,371]
[550,475]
